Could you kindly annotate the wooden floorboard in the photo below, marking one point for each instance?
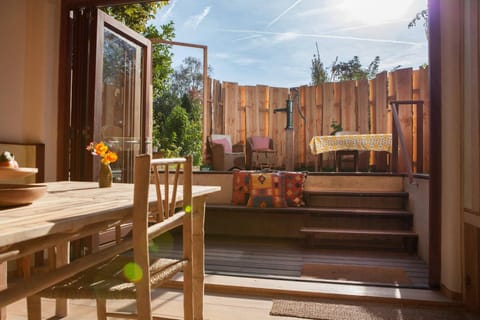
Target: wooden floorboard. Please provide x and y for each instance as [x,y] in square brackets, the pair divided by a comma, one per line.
[284,259]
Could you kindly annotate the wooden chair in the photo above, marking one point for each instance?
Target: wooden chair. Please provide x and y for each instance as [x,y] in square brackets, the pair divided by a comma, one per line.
[132,275]
[260,152]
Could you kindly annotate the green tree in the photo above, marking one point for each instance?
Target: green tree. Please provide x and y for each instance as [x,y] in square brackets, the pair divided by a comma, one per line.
[188,77]
[420,16]
[353,69]
[179,131]
[161,57]
[319,73]
[341,71]
[135,16]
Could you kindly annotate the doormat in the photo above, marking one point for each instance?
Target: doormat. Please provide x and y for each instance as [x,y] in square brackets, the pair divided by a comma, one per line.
[340,310]
[356,273]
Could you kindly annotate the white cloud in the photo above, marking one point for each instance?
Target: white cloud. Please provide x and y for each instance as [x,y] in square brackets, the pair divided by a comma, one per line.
[196,20]
[246,61]
[164,16]
[222,55]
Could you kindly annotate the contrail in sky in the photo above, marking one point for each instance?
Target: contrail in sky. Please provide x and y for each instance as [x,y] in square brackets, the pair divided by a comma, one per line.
[326,36]
[284,13]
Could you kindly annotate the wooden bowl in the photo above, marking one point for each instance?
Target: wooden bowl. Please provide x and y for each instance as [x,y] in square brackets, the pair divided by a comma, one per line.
[20,194]
[16,173]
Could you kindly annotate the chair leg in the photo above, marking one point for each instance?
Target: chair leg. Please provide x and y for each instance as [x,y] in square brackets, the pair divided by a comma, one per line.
[101,309]
[34,308]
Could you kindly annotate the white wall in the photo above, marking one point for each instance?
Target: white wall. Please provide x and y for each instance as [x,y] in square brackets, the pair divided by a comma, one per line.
[30,32]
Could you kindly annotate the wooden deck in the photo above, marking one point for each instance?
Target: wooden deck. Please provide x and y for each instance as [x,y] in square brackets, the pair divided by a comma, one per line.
[243,276]
[284,259]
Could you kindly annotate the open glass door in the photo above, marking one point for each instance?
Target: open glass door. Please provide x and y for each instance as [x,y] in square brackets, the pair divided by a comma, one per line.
[121,93]
[117,108]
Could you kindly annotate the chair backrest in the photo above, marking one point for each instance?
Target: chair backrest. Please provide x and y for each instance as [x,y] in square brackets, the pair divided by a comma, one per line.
[167,218]
[260,143]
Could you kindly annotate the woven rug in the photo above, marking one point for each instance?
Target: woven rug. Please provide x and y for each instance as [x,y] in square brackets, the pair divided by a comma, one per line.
[356,273]
[339,310]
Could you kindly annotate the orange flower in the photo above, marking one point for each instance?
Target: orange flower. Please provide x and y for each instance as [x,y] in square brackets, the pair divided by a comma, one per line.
[101,149]
[109,157]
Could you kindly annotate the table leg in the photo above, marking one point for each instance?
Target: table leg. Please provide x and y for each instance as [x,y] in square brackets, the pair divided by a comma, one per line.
[3,285]
[198,246]
[61,258]
[33,302]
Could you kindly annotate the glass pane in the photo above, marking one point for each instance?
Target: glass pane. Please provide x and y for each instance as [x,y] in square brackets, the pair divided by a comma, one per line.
[122,102]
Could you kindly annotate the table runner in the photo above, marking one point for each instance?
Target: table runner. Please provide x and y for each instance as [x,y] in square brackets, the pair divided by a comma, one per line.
[366,142]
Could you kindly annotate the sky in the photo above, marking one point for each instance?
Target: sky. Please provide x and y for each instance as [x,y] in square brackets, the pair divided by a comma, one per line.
[272,42]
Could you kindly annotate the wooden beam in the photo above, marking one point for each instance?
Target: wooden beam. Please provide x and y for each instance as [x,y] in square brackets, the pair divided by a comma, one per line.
[435,209]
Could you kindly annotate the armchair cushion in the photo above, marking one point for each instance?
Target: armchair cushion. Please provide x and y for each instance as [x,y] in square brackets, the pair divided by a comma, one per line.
[260,143]
[227,146]
[267,190]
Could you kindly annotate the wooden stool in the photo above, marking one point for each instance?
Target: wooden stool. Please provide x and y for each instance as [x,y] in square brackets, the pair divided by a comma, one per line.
[338,159]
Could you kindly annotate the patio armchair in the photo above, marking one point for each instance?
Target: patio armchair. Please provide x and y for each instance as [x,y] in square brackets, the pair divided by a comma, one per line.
[260,152]
[225,155]
[112,278]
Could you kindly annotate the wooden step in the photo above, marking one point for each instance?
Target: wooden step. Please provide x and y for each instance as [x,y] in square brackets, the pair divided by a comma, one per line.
[356,199]
[409,238]
[354,218]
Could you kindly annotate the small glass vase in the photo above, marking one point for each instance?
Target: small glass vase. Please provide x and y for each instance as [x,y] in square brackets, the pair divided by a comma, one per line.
[105,176]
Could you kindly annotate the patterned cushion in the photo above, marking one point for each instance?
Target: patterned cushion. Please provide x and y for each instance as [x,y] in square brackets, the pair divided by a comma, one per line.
[267,190]
[294,182]
[240,186]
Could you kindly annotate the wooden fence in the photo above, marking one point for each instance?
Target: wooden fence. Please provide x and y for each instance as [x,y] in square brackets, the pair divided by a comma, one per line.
[362,106]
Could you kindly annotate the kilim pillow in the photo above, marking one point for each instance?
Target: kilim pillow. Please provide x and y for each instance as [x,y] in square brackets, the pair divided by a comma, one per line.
[267,190]
[294,183]
[240,184]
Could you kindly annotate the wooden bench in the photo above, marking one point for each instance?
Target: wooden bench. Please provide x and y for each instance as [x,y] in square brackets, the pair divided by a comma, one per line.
[409,238]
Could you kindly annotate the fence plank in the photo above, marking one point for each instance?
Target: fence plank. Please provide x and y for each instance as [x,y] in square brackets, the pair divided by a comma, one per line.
[403,91]
[363,105]
[382,116]
[218,116]
[262,105]
[232,111]
[313,120]
[330,114]
[248,103]
[348,106]
[299,130]
[421,87]
[278,122]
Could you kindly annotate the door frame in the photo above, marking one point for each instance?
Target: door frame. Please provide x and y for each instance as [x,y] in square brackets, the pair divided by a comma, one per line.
[435,121]
[79,116]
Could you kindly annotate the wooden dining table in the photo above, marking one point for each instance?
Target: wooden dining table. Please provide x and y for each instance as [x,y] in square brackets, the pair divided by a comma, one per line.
[69,211]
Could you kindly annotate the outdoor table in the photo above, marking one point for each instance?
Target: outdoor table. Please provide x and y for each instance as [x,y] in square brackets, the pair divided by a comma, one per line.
[67,210]
[363,142]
